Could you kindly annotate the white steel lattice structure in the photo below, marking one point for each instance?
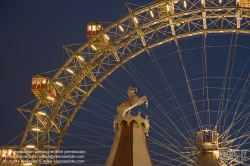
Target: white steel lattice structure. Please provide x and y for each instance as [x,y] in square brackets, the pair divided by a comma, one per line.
[142,30]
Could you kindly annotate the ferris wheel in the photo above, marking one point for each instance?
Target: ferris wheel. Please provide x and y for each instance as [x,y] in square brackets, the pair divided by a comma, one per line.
[189,57]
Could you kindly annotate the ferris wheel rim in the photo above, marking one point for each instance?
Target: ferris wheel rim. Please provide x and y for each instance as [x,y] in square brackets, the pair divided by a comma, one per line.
[123,61]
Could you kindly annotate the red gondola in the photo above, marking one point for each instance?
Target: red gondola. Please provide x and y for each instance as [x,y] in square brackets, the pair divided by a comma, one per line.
[38,86]
[165,10]
[93,29]
[9,156]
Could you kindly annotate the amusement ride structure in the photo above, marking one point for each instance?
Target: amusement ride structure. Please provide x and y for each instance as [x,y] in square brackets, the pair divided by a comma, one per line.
[189,57]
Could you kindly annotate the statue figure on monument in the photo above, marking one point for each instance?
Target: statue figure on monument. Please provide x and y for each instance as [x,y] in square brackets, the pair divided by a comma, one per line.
[133,101]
